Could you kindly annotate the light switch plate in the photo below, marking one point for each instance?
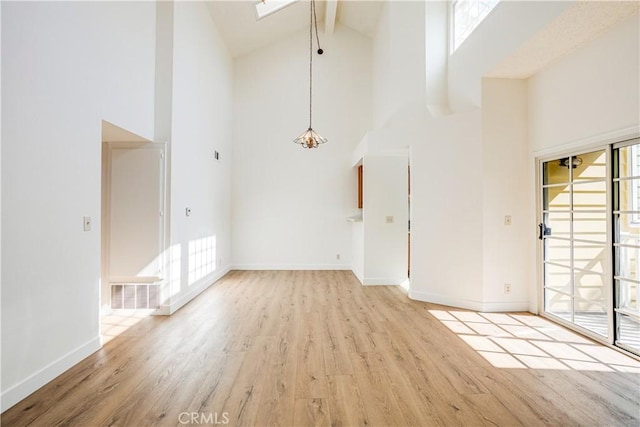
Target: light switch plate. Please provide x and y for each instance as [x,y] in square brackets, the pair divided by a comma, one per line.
[87,223]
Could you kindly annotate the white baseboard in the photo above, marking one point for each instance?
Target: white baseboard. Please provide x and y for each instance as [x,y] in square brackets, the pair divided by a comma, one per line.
[504,306]
[33,382]
[405,285]
[481,306]
[196,289]
[383,281]
[445,300]
[357,274]
[290,267]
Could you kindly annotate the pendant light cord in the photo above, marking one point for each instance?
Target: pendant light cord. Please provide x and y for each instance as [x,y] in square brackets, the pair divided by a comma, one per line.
[310,59]
[313,22]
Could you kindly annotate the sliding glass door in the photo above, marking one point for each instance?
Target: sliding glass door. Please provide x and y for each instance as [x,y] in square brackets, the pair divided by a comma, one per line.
[590,230]
[575,234]
[626,219]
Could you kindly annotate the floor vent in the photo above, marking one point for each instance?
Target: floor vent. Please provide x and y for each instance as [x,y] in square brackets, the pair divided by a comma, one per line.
[135,296]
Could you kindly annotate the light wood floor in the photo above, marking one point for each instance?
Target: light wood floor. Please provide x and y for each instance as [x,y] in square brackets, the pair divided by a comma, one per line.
[316,348]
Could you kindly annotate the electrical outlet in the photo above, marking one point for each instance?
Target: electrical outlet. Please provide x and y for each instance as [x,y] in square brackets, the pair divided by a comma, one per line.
[507,220]
[87,223]
[507,288]
[337,256]
[389,219]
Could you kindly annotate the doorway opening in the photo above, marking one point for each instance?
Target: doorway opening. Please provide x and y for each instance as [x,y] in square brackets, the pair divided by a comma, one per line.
[133,222]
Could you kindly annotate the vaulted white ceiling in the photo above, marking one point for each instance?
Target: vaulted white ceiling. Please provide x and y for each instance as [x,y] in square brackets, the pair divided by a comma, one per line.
[242,33]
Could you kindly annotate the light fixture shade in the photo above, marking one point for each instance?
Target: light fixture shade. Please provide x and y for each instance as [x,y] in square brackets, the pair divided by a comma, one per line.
[310,139]
[575,162]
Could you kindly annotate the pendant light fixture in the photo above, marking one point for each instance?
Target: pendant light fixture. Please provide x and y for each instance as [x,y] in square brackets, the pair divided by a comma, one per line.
[310,139]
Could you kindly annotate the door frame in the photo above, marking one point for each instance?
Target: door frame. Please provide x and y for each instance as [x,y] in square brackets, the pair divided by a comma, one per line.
[614,303]
[107,150]
[609,244]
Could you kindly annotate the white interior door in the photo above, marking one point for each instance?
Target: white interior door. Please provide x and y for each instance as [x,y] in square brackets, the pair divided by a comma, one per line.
[136,199]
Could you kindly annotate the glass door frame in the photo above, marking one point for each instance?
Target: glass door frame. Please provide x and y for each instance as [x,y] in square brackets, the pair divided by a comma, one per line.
[615,291]
[608,270]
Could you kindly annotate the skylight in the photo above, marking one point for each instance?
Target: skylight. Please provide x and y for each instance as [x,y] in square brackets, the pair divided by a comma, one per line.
[267,7]
[467,15]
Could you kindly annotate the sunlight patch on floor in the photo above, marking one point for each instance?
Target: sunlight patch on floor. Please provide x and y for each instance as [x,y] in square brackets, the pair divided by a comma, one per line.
[120,321]
[520,341]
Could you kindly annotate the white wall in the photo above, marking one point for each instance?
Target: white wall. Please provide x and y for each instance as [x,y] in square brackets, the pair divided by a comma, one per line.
[1,134]
[508,251]
[201,125]
[66,66]
[446,156]
[507,27]
[436,55]
[446,210]
[289,204]
[398,60]
[471,169]
[357,248]
[591,92]
[461,188]
[382,82]
[385,193]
